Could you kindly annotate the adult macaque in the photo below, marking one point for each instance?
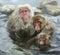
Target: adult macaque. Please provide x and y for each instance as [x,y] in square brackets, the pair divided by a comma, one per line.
[19,25]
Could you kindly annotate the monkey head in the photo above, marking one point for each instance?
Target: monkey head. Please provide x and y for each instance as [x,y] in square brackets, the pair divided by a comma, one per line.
[43,41]
[25,11]
[19,18]
[38,22]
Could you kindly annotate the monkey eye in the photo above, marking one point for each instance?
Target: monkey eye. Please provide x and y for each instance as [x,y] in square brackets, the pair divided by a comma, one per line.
[26,10]
[22,11]
[37,22]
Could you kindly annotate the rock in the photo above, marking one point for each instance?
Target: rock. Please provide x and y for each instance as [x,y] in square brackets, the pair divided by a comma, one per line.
[50,7]
[7,9]
[47,2]
[36,11]
[52,10]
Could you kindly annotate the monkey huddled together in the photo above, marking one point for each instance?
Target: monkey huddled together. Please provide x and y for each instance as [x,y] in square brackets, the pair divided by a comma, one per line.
[27,30]
[43,32]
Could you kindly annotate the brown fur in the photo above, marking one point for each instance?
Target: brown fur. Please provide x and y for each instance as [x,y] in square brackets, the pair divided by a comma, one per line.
[20,32]
[47,41]
[46,25]
[46,30]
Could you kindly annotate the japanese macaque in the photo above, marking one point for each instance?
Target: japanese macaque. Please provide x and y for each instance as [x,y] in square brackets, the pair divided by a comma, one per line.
[43,41]
[41,24]
[18,25]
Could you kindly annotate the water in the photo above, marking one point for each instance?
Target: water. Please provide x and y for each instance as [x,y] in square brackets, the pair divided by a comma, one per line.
[6,45]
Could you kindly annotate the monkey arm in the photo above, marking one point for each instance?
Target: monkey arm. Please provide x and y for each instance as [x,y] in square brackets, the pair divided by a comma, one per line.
[32,41]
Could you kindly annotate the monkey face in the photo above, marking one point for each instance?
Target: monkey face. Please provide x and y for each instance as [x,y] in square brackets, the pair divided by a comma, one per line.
[38,22]
[37,25]
[43,41]
[24,12]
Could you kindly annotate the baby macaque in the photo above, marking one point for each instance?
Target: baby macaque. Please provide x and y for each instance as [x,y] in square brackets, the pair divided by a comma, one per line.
[43,41]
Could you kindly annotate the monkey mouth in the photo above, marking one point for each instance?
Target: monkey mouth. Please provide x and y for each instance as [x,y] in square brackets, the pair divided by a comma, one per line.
[37,28]
[42,40]
[25,17]
[41,43]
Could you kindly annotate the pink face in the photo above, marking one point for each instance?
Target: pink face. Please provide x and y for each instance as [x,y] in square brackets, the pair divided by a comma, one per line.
[41,40]
[24,13]
[37,25]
